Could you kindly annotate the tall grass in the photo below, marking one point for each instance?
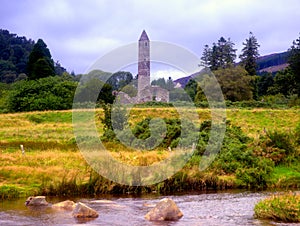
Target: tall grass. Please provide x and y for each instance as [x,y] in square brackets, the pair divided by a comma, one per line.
[280,207]
[52,163]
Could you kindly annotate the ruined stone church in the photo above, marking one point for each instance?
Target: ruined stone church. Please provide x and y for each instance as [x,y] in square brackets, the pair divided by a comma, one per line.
[146,92]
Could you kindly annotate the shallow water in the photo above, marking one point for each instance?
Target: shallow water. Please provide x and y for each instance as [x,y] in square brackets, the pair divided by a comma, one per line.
[229,208]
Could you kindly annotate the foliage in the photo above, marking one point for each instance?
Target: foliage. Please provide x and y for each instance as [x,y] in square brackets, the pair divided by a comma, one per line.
[284,83]
[161,82]
[250,54]
[179,94]
[281,207]
[94,90]
[265,81]
[114,118]
[4,90]
[235,83]
[40,63]
[276,146]
[257,175]
[130,90]
[236,158]
[119,80]
[178,132]
[9,192]
[220,55]
[14,52]
[52,93]
[294,62]
[191,89]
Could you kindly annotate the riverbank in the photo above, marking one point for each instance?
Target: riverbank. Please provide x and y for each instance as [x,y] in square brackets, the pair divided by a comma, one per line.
[53,165]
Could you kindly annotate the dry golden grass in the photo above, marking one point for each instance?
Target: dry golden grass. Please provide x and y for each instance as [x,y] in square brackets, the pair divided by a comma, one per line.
[52,154]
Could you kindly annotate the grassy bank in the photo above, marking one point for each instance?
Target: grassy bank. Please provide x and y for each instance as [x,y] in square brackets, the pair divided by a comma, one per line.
[279,207]
[52,163]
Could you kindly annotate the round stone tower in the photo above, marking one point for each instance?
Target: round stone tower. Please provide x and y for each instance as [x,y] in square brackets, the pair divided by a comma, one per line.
[143,64]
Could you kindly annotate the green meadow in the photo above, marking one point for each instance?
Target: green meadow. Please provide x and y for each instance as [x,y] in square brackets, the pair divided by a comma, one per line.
[53,165]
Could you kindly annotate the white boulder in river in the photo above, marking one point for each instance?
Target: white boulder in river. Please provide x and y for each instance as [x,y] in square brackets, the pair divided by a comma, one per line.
[165,210]
[83,211]
[36,201]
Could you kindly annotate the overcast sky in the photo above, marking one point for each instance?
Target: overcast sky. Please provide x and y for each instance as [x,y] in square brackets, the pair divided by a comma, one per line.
[78,32]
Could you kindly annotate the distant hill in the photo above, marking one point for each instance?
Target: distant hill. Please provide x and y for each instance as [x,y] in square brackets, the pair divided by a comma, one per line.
[181,82]
[14,55]
[272,62]
[269,63]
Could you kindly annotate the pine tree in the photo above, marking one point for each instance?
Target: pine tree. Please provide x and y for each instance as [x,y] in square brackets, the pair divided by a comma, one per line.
[40,63]
[294,62]
[221,55]
[250,54]
[206,56]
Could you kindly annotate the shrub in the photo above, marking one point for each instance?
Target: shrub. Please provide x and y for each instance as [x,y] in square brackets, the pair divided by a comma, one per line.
[284,207]
[276,146]
[51,93]
[256,176]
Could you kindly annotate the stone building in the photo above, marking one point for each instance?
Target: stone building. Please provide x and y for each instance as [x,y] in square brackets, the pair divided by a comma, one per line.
[146,92]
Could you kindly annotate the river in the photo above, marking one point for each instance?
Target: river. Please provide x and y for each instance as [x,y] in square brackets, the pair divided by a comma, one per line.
[223,208]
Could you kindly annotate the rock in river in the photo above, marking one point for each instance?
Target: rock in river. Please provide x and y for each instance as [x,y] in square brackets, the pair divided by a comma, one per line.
[83,211]
[36,201]
[165,210]
[65,205]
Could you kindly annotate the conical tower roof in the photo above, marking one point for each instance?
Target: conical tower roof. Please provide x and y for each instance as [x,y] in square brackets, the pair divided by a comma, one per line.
[144,36]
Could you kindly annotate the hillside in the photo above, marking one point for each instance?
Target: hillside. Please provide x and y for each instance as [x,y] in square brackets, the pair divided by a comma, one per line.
[269,63]
[272,62]
[14,55]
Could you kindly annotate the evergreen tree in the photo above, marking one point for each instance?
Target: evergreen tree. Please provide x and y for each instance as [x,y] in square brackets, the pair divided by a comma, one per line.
[191,88]
[221,55]
[250,54]
[206,56]
[40,63]
[226,53]
[265,81]
[170,84]
[294,62]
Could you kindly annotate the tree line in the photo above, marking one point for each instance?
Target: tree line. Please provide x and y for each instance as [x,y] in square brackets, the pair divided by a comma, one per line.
[240,81]
[31,80]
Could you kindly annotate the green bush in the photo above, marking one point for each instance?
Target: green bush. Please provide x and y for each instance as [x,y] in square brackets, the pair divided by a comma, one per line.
[51,93]
[176,133]
[276,146]
[256,176]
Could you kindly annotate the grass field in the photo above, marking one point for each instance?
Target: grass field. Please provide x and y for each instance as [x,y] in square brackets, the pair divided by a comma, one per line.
[51,154]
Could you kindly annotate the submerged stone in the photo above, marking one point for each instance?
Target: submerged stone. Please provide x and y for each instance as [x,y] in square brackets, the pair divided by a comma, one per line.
[165,210]
[83,211]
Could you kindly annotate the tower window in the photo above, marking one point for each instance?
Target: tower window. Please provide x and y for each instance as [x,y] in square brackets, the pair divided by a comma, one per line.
[146,43]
